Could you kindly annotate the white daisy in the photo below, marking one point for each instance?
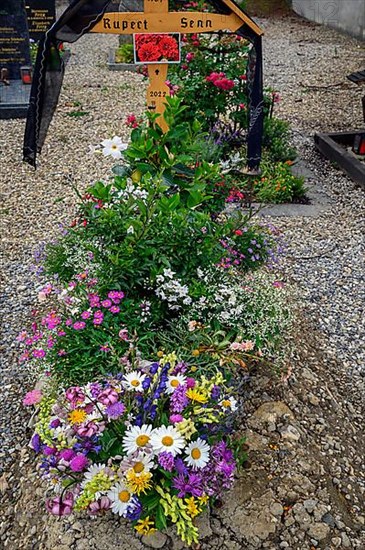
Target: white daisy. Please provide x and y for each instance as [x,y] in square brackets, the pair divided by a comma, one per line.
[137,438]
[121,498]
[173,382]
[168,439]
[229,403]
[139,462]
[133,381]
[113,147]
[197,454]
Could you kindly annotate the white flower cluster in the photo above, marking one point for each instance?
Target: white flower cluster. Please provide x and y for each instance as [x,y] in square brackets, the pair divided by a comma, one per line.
[172,290]
[132,190]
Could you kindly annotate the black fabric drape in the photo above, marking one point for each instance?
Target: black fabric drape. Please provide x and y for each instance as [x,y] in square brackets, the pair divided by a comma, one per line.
[255,98]
[76,20]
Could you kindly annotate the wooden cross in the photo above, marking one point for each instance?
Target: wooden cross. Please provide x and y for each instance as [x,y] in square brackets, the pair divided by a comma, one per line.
[156,18]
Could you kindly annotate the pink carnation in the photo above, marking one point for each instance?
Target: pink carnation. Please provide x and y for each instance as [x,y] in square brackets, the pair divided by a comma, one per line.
[32,398]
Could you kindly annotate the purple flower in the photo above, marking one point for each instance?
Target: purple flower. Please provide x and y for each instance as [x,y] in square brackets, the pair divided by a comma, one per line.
[55,423]
[36,443]
[166,461]
[115,410]
[114,309]
[146,383]
[106,303]
[67,454]
[134,509]
[48,451]
[216,391]
[154,368]
[180,466]
[191,485]
[178,400]
[78,463]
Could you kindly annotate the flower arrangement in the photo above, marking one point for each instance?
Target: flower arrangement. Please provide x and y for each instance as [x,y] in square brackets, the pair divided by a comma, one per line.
[151,445]
[151,267]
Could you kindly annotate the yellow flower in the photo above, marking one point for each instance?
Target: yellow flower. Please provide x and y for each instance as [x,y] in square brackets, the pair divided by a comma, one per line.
[195,395]
[191,507]
[160,354]
[195,353]
[77,416]
[186,428]
[203,500]
[138,482]
[145,526]
[168,358]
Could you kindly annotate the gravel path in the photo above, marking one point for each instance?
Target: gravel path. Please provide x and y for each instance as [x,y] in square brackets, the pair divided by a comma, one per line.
[306,483]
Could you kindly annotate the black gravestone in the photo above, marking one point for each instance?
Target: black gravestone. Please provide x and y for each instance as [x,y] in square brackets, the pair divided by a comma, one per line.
[41,15]
[14,37]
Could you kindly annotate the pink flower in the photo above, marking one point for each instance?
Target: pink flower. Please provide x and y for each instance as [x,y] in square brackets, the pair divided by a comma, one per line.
[108,396]
[248,345]
[38,353]
[32,398]
[105,348]
[90,429]
[60,506]
[278,284]
[175,418]
[78,463]
[86,315]
[189,57]
[94,300]
[106,303]
[22,336]
[75,395]
[68,322]
[114,309]
[123,334]
[79,325]
[100,505]
[116,296]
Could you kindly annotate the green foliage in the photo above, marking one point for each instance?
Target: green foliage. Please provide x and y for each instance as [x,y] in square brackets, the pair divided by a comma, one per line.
[276,140]
[278,184]
[124,54]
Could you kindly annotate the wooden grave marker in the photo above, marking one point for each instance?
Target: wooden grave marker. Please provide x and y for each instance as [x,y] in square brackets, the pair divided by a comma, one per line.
[156,18]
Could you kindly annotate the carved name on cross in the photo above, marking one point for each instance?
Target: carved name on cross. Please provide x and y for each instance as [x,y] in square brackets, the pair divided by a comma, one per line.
[156,18]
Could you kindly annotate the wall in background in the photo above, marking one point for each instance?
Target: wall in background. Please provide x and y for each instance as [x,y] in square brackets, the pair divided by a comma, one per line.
[344,15]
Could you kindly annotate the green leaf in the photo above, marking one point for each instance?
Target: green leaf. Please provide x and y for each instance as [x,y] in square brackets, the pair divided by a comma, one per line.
[161,523]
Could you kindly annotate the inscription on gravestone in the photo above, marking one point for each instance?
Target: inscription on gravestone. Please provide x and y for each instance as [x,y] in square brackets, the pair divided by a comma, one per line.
[14,37]
[41,15]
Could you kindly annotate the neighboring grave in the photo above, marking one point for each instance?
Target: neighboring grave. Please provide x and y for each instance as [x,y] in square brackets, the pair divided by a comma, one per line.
[41,15]
[14,38]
